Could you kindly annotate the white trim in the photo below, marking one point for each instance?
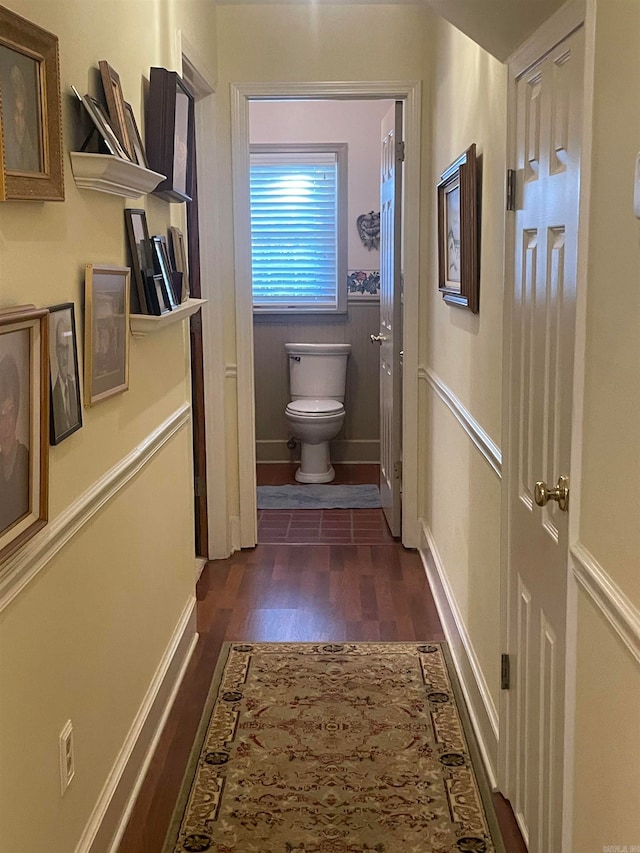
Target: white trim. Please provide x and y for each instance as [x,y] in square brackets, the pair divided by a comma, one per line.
[111,812]
[618,610]
[480,704]
[234,533]
[566,20]
[241,93]
[202,78]
[480,438]
[25,565]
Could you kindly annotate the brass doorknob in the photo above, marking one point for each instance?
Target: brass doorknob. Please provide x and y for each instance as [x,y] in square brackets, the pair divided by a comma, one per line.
[543,494]
[377,339]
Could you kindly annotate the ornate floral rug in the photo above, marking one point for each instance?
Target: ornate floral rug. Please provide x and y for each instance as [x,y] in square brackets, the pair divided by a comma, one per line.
[334,748]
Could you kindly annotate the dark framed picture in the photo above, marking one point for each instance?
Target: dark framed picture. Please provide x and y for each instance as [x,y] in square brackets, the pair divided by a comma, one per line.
[458,279]
[24,425]
[163,267]
[116,106]
[30,113]
[140,156]
[141,257]
[66,408]
[178,250]
[169,130]
[106,332]
[100,120]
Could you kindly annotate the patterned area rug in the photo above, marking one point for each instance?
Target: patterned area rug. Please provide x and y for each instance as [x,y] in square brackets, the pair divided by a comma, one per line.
[334,748]
[316,496]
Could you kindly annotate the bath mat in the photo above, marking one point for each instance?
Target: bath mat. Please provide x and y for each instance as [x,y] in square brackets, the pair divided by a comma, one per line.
[334,748]
[312,496]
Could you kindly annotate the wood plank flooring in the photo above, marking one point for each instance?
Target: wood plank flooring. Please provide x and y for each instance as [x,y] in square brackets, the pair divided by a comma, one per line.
[296,593]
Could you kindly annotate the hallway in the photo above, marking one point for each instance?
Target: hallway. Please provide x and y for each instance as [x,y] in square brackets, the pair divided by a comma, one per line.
[293,593]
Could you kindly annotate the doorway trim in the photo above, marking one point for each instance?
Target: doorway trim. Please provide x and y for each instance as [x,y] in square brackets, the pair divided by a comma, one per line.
[241,95]
[559,26]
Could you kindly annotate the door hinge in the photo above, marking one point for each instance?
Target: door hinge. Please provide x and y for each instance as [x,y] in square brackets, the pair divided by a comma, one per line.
[511,189]
[505,672]
[397,470]
[201,487]
[400,152]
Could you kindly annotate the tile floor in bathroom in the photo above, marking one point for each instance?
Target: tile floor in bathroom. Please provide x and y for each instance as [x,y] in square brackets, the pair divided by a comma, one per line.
[321,526]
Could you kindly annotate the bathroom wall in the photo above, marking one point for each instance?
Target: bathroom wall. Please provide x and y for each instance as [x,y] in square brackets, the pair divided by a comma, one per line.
[358,124]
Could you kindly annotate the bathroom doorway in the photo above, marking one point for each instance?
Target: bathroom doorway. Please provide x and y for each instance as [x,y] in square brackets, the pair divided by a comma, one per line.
[351,449]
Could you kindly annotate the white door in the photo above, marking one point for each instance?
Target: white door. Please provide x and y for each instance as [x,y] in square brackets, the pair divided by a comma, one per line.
[548,107]
[389,336]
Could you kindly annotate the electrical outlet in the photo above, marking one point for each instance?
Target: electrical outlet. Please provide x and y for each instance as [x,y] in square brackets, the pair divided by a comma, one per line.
[65,750]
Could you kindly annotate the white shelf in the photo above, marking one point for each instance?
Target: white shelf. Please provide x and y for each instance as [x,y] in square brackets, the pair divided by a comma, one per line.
[145,324]
[110,174]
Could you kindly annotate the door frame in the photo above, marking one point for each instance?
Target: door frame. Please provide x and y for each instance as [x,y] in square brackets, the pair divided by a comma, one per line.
[559,26]
[241,95]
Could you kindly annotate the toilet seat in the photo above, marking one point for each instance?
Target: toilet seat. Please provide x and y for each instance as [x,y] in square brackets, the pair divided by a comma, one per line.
[314,408]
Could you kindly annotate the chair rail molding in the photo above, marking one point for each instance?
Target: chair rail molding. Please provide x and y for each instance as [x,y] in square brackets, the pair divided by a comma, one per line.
[20,569]
[618,610]
[480,438]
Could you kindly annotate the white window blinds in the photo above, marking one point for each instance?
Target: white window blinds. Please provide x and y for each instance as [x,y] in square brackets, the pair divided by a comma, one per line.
[296,220]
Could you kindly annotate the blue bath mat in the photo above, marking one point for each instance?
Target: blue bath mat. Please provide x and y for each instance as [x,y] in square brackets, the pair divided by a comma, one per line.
[312,496]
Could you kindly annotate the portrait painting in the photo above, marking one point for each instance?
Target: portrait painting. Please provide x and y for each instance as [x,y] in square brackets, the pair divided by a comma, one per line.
[66,412]
[106,332]
[24,397]
[20,87]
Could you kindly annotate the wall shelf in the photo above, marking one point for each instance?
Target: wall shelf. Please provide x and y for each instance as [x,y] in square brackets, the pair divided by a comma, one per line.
[110,174]
[145,324]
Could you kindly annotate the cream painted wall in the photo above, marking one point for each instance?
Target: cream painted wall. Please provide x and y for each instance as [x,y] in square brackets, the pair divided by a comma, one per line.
[607,755]
[461,493]
[85,637]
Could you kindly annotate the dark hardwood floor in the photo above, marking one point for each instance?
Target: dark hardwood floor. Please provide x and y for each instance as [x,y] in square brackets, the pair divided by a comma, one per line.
[294,593]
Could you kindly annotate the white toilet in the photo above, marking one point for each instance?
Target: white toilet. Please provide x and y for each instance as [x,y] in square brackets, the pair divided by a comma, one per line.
[317,375]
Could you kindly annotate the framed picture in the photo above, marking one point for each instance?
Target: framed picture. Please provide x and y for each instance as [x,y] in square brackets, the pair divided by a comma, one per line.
[458,278]
[116,106]
[98,116]
[134,137]
[66,410]
[106,332]
[169,130]
[141,257]
[30,112]
[24,425]
[163,267]
[180,259]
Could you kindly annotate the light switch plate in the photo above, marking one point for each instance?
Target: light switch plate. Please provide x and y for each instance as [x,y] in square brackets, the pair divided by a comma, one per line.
[636,188]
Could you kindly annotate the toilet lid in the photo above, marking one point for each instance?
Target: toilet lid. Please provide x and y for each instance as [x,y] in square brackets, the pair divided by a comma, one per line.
[312,407]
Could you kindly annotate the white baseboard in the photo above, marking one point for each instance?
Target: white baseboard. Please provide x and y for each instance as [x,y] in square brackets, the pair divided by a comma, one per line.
[480,705]
[201,562]
[234,531]
[115,803]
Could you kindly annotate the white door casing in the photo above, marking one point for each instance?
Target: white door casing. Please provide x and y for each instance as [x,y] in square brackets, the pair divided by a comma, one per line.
[390,333]
[548,137]
[241,94]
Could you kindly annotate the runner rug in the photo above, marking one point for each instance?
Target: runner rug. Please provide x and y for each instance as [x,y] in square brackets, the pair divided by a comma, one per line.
[334,748]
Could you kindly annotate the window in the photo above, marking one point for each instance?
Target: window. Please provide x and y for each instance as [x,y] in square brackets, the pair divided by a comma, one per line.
[298,228]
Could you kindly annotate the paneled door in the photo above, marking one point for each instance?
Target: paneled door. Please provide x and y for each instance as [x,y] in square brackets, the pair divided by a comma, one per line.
[389,336]
[548,141]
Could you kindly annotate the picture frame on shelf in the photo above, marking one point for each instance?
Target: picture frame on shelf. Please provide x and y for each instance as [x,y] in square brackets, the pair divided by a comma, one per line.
[137,145]
[64,378]
[116,106]
[30,112]
[163,267]
[100,120]
[179,253]
[24,425]
[142,265]
[106,332]
[458,205]
[169,131]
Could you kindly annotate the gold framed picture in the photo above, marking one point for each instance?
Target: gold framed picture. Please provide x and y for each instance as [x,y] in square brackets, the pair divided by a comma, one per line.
[106,332]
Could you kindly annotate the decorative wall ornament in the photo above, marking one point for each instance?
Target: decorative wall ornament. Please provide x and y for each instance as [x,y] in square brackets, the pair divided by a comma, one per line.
[369,229]
[363,284]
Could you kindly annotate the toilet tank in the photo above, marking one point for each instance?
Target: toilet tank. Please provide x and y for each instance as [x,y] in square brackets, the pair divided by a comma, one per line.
[317,370]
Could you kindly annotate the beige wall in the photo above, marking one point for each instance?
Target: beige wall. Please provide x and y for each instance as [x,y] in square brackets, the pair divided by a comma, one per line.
[461,492]
[84,639]
[607,737]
